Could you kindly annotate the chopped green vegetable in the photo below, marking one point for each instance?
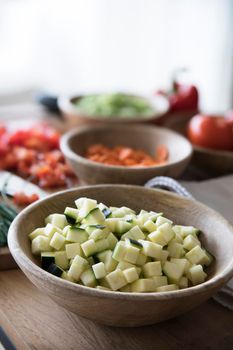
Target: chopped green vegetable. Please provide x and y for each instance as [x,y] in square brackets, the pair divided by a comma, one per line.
[117,105]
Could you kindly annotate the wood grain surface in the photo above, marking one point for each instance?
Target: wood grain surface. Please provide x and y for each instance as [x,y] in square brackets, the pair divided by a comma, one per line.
[43,325]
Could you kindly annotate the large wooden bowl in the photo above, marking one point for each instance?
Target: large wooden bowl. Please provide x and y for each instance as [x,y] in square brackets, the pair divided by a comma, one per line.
[117,308]
[75,143]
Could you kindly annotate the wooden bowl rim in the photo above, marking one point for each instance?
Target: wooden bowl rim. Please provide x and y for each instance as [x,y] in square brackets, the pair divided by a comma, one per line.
[70,154]
[213,152]
[29,265]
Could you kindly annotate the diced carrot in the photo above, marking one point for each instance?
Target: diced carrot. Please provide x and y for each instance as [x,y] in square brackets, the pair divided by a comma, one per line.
[161,153]
[126,156]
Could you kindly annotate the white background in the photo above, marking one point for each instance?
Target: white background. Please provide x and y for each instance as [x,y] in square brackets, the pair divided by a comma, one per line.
[94,45]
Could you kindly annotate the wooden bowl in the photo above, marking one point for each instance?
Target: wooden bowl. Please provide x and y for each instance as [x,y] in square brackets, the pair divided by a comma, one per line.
[75,143]
[215,162]
[75,117]
[117,308]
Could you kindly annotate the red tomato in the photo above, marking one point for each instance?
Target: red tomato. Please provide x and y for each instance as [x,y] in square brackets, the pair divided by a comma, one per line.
[21,198]
[211,132]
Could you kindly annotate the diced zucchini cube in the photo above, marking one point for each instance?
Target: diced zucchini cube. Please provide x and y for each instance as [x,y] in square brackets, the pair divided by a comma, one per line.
[185,230]
[61,260]
[123,265]
[88,278]
[122,227]
[208,259]
[37,232]
[94,217]
[160,281]
[190,242]
[121,212]
[85,206]
[175,250]
[89,247]
[102,255]
[101,244]
[153,215]
[157,237]
[111,224]
[119,251]
[196,255]
[116,279]
[164,256]
[130,274]
[77,267]
[141,259]
[110,263]
[134,233]
[168,288]
[76,235]
[183,283]
[40,244]
[66,277]
[173,271]
[99,270]
[131,254]
[72,213]
[98,234]
[57,241]
[183,263]
[162,220]
[167,231]
[47,258]
[151,269]
[58,220]
[79,202]
[73,249]
[143,285]
[112,240]
[178,238]
[151,249]
[196,274]
[150,226]
[50,229]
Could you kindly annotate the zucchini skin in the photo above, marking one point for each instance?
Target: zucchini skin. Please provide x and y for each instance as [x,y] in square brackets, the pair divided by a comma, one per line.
[55,270]
[46,261]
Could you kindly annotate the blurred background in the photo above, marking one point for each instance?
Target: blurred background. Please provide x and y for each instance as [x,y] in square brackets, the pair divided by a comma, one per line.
[131,45]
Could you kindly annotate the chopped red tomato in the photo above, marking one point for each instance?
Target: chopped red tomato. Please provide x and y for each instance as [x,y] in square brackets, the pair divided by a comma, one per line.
[21,198]
[35,153]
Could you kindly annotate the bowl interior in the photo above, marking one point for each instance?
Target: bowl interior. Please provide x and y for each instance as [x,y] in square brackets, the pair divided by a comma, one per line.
[217,236]
[142,137]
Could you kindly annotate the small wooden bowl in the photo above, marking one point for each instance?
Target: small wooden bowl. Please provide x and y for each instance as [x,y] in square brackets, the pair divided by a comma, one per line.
[117,308]
[215,162]
[75,117]
[75,143]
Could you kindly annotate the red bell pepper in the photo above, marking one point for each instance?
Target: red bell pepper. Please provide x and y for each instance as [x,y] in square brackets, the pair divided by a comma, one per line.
[182,97]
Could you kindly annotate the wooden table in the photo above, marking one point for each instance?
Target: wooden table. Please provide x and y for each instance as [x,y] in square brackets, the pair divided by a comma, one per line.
[33,321]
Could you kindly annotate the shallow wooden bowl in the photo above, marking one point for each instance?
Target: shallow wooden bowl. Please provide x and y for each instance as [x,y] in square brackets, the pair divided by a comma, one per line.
[215,162]
[75,117]
[75,143]
[117,308]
